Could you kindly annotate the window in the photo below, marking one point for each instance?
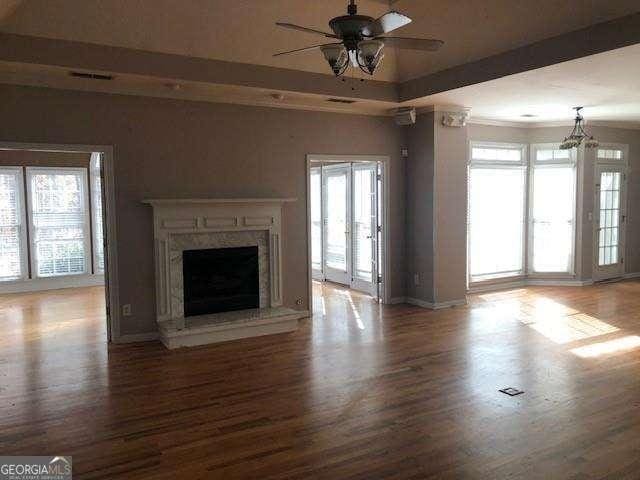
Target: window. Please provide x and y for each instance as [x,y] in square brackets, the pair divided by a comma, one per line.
[96,210]
[59,221]
[497,179]
[552,214]
[12,231]
[498,219]
[609,154]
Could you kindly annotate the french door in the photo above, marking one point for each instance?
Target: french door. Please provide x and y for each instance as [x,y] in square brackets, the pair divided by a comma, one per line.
[344,225]
[336,189]
[610,221]
[364,221]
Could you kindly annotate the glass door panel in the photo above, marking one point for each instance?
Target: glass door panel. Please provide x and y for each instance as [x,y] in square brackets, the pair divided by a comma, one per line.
[316,222]
[610,222]
[364,223]
[336,183]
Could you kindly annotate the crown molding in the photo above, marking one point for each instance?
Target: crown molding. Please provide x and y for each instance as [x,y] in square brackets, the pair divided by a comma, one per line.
[550,124]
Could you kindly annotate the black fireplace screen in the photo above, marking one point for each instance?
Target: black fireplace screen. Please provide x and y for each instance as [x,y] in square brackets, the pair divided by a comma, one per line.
[220,280]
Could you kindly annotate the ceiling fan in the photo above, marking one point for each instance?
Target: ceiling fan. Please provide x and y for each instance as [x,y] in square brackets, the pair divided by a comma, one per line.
[361,40]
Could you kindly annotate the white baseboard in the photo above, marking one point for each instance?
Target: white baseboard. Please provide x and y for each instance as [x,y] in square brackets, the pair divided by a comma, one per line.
[492,287]
[435,306]
[530,282]
[631,275]
[137,337]
[558,283]
[396,300]
[451,303]
[51,283]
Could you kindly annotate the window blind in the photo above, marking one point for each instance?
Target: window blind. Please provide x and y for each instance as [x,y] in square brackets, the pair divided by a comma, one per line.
[59,219]
[11,215]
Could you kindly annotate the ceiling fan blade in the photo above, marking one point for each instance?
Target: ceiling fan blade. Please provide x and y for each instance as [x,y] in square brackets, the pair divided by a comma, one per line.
[305,49]
[385,24]
[427,44]
[305,29]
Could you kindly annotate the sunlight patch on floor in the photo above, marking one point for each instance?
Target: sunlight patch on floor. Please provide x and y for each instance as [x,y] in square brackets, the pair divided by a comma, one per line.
[618,345]
[354,310]
[565,329]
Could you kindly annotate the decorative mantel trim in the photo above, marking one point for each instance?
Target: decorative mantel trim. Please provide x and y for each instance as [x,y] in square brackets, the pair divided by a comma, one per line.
[201,220]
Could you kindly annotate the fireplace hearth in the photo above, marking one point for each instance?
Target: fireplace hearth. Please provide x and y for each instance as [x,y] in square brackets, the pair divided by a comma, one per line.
[219,270]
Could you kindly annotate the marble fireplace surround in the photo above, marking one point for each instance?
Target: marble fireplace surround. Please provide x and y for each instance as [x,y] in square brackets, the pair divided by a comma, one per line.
[180,242]
[189,224]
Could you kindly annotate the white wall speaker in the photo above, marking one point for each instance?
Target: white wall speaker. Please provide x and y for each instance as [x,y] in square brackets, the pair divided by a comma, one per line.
[405,116]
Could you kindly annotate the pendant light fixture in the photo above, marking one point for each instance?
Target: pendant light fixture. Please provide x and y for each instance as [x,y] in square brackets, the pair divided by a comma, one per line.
[578,134]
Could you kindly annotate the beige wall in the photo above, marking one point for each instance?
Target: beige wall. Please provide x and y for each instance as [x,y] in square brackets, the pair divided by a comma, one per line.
[171,148]
[419,201]
[436,210]
[450,272]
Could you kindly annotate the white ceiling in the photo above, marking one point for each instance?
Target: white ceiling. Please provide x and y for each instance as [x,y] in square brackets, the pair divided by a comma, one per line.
[607,85]
[244,31]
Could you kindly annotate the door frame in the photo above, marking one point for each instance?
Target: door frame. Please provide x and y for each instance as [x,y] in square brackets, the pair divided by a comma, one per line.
[623,166]
[384,162]
[111,266]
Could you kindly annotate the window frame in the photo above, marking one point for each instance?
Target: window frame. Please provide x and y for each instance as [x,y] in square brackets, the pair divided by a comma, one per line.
[29,172]
[571,161]
[522,165]
[22,208]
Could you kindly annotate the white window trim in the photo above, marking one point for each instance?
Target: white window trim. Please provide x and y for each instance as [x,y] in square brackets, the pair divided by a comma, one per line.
[571,161]
[30,171]
[22,208]
[522,165]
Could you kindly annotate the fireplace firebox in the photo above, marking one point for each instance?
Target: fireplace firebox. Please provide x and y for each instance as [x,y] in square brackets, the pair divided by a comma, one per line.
[220,280]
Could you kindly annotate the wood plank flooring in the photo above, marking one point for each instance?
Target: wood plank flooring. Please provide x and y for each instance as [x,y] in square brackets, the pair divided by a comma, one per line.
[359,392]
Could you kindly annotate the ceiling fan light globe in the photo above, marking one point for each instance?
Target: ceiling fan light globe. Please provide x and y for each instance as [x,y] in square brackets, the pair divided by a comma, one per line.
[370,54]
[370,48]
[337,57]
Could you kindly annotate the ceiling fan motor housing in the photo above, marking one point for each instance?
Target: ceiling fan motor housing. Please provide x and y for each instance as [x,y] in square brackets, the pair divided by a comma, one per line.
[349,27]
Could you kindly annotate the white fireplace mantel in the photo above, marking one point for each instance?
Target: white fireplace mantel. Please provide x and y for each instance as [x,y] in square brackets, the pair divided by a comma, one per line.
[192,223]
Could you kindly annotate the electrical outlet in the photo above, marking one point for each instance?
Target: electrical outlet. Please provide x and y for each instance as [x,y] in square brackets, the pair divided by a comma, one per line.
[416,279]
[299,301]
[126,310]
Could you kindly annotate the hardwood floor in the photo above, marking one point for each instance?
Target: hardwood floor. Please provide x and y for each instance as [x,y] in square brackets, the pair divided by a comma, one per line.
[360,391]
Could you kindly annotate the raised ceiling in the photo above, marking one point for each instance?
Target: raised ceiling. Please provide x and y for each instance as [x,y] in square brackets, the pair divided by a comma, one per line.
[509,58]
[606,84]
[244,31]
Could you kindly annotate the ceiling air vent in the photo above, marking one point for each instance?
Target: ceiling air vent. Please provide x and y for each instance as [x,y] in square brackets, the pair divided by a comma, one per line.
[92,76]
[340,100]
